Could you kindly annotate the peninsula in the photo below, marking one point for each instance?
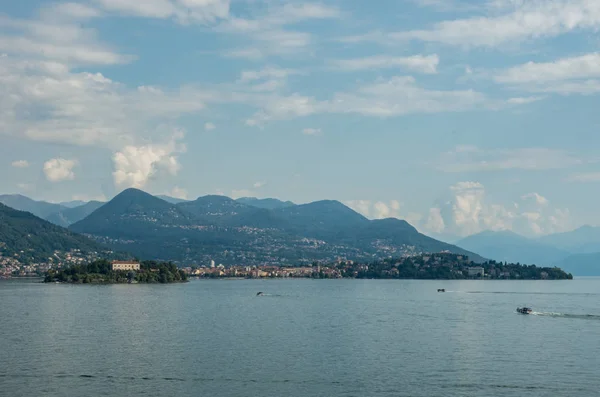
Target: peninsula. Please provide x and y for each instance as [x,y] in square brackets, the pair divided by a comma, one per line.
[118,272]
[439,266]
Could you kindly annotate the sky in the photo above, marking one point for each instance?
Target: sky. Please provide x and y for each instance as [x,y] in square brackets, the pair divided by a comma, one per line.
[458,116]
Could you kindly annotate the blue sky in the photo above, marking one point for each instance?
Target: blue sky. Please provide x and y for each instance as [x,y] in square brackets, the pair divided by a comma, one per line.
[459,116]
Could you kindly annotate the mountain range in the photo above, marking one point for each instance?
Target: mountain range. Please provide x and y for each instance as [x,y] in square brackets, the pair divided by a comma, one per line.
[252,230]
[233,232]
[577,252]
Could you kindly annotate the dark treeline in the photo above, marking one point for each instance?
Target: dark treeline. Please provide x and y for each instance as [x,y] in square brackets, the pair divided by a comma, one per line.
[100,271]
[444,266]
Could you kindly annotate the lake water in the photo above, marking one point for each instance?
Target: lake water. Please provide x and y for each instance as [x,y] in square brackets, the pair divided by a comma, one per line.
[303,338]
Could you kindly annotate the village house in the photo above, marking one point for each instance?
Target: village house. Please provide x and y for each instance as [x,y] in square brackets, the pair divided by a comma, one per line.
[125,265]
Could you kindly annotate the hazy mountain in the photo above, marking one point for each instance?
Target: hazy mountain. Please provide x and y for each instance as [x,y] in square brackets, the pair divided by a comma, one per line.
[32,238]
[40,209]
[228,231]
[584,240]
[72,204]
[172,200]
[581,264]
[267,203]
[511,247]
[68,216]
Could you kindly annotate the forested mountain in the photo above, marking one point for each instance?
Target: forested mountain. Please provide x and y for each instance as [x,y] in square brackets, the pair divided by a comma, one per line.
[28,238]
[231,232]
[267,203]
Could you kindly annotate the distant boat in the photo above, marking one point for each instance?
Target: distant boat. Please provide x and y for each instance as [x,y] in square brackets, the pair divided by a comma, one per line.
[524,310]
[259,293]
[441,290]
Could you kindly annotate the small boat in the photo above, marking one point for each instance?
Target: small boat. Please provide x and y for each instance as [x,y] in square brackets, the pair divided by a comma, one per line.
[441,290]
[524,310]
[258,294]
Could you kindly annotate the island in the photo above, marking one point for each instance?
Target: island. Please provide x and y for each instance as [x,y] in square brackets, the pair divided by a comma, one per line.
[118,272]
[438,266]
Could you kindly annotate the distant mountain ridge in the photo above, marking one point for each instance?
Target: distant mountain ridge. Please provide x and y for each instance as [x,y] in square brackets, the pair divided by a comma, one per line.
[507,246]
[232,232]
[41,209]
[267,203]
[577,251]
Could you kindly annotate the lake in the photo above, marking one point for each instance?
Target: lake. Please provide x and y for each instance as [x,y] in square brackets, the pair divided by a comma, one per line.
[302,338]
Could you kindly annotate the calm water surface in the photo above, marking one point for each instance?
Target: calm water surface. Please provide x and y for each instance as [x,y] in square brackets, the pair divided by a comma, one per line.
[303,338]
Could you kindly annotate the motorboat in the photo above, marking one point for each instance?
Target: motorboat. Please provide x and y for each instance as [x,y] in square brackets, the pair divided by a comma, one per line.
[524,310]
[441,290]
[259,294]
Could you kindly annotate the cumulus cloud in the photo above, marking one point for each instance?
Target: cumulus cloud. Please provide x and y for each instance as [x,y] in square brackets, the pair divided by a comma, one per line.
[467,210]
[135,165]
[260,184]
[178,192]
[209,126]
[20,164]
[59,169]
[383,209]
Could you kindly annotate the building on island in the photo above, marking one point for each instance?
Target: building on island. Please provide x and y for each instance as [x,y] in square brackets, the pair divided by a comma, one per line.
[125,265]
[476,271]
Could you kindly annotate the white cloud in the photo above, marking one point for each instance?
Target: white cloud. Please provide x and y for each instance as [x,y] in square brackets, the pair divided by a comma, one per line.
[477,159]
[400,96]
[435,222]
[564,76]
[582,67]
[266,34]
[260,184]
[178,192]
[59,169]
[135,165]
[70,11]
[467,210]
[56,39]
[376,209]
[269,72]
[20,164]
[45,101]
[524,100]
[209,126]
[393,97]
[25,186]
[536,197]
[311,131]
[419,63]
[183,11]
[585,177]
[520,20]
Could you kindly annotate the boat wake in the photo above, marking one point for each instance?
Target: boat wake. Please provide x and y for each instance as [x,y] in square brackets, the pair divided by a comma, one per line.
[567,315]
